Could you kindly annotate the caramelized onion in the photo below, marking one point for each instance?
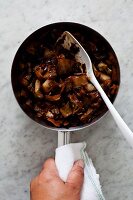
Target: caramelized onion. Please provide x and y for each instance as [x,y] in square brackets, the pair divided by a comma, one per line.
[25,80]
[53,97]
[104,77]
[89,87]
[87,115]
[102,66]
[56,123]
[49,85]
[64,65]
[66,110]
[76,104]
[78,81]
[38,72]
[45,71]
[37,86]
[50,73]
[49,114]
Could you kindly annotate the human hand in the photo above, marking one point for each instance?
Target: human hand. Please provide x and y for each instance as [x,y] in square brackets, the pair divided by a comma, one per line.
[48,185]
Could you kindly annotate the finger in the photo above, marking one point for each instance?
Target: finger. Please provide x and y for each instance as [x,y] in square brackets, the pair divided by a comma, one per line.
[50,172]
[50,166]
[76,175]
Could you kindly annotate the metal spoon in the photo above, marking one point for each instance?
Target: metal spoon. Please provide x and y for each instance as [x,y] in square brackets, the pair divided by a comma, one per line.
[83,57]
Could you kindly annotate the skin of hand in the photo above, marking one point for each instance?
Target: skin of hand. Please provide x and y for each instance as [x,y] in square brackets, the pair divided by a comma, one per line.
[48,185]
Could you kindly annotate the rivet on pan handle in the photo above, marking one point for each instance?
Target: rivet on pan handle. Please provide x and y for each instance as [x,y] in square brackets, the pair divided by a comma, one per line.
[63,138]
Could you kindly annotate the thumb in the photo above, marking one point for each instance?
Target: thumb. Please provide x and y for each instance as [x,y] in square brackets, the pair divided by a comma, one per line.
[76,175]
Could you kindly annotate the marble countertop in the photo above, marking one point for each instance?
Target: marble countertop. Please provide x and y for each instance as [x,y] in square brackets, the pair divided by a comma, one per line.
[24,145]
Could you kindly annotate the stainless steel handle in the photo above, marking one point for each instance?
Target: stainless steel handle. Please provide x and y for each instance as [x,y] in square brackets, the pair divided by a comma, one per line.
[63,138]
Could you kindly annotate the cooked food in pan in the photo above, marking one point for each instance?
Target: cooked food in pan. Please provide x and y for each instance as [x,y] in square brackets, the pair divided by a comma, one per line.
[55,86]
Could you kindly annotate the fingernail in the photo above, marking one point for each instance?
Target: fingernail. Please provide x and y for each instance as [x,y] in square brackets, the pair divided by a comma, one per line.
[80,163]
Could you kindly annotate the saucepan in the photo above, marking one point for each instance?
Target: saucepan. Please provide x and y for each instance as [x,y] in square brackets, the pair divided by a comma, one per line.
[100,49]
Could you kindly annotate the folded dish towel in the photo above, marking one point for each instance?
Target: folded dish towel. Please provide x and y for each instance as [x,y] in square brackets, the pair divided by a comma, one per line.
[66,156]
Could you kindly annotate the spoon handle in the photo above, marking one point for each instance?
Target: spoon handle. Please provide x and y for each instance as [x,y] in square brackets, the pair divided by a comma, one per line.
[127,133]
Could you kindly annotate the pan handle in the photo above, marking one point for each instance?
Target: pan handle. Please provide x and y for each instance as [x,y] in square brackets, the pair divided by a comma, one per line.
[63,138]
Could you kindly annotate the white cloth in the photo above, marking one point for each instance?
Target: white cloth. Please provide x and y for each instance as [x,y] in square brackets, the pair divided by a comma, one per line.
[66,156]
